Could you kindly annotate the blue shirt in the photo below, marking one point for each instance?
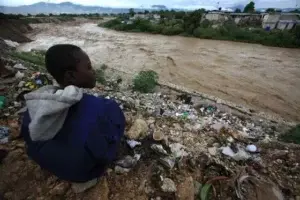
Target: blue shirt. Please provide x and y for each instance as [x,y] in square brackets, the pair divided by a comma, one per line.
[85,145]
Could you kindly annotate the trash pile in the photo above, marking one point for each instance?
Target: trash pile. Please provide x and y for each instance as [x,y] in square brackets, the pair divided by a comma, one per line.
[190,149]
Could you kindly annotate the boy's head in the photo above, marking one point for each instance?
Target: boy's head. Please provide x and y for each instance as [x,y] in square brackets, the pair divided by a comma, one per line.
[70,65]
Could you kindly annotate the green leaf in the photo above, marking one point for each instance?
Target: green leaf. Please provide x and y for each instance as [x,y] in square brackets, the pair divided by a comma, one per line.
[205,191]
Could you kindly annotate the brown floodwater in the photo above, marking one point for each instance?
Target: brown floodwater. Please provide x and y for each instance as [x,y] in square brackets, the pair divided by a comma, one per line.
[263,78]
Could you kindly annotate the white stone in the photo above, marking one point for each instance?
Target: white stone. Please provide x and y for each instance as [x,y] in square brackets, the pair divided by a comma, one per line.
[168,186]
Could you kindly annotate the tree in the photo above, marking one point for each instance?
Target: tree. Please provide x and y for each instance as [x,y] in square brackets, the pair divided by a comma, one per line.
[238,10]
[220,8]
[146,11]
[131,12]
[270,10]
[250,7]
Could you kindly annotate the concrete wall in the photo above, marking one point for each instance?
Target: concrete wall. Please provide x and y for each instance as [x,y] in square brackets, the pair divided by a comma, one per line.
[282,25]
[290,26]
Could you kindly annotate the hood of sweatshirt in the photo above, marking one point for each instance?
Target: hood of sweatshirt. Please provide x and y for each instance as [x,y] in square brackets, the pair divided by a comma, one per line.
[48,108]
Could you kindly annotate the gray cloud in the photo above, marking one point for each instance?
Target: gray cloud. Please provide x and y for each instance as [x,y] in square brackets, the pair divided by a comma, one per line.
[168,3]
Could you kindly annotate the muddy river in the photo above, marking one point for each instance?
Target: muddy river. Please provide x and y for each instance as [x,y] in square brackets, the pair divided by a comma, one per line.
[263,78]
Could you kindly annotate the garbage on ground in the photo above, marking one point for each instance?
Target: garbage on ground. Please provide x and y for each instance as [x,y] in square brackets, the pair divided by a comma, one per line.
[4,134]
[249,187]
[159,149]
[178,150]
[19,66]
[251,148]
[240,155]
[2,101]
[121,170]
[19,75]
[133,143]
[38,80]
[138,130]
[168,162]
[168,185]
[128,161]
[158,135]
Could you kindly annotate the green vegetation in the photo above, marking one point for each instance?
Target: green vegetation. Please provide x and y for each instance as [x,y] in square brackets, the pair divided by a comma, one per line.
[145,81]
[293,135]
[250,7]
[100,76]
[189,24]
[35,58]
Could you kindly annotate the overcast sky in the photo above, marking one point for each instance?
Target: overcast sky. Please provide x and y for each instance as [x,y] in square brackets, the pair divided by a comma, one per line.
[169,3]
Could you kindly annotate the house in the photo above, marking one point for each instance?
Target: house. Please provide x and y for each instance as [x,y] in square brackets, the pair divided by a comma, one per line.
[288,22]
[156,17]
[281,21]
[216,17]
[246,18]
[141,16]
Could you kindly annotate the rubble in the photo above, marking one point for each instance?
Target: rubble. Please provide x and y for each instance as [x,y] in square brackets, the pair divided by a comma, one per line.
[200,141]
[138,130]
[168,185]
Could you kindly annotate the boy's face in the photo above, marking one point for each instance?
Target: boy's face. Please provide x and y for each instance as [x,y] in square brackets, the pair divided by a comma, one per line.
[84,76]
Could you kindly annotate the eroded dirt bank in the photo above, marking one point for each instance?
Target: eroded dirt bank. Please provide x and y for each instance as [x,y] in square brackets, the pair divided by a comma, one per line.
[264,78]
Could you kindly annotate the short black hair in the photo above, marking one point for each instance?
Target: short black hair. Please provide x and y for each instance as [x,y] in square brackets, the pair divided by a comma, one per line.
[61,58]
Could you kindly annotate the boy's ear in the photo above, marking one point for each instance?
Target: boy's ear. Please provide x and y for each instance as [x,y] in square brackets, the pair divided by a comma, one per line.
[69,77]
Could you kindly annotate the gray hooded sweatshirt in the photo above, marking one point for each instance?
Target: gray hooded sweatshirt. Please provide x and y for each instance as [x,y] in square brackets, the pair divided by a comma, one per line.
[48,108]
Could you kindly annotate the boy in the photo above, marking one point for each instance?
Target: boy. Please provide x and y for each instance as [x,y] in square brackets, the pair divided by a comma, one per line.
[71,134]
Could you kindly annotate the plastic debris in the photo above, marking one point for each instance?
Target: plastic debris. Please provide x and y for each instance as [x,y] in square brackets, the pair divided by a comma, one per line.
[159,149]
[158,135]
[121,170]
[19,75]
[168,185]
[240,155]
[4,133]
[177,150]
[133,143]
[2,101]
[168,162]
[251,148]
[128,161]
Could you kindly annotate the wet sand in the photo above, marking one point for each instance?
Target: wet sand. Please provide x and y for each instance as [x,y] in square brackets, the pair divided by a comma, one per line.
[260,77]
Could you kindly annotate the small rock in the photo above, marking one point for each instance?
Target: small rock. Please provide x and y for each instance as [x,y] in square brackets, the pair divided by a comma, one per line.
[128,161]
[81,187]
[59,189]
[251,148]
[168,162]
[186,190]
[297,197]
[19,66]
[178,150]
[121,170]
[168,186]
[212,151]
[19,75]
[218,126]
[133,143]
[159,149]
[138,130]
[21,84]
[158,135]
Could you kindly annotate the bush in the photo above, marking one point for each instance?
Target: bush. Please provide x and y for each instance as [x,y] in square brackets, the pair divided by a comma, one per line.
[293,135]
[36,57]
[100,76]
[145,81]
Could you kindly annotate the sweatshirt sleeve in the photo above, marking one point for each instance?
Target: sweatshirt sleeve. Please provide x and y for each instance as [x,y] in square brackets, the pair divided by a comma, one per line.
[102,143]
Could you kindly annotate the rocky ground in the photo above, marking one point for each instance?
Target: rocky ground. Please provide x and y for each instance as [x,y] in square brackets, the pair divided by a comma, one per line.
[176,146]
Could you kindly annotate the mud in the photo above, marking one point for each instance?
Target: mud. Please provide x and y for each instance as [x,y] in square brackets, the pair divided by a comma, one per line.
[263,78]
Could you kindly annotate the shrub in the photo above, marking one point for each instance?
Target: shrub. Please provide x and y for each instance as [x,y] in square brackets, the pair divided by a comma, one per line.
[145,81]
[100,76]
[292,135]
[33,57]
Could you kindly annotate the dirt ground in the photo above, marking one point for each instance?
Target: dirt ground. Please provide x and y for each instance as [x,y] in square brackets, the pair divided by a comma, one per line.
[263,78]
